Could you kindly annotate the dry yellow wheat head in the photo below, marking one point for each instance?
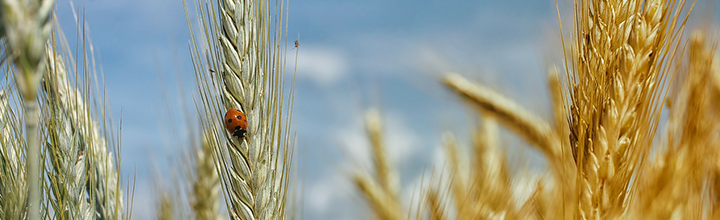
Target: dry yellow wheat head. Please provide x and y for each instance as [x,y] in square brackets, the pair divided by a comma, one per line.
[381,190]
[620,62]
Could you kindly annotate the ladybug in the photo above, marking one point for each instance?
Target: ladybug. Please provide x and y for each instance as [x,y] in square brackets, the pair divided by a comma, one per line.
[236,123]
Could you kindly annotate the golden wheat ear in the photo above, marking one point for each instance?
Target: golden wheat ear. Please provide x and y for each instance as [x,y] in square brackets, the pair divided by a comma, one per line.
[381,190]
[531,127]
[617,75]
[682,178]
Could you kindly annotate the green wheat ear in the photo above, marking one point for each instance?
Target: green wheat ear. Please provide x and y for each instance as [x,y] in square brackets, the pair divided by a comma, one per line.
[240,64]
[82,147]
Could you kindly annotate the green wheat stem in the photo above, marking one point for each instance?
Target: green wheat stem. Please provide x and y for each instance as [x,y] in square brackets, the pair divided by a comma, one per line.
[26,25]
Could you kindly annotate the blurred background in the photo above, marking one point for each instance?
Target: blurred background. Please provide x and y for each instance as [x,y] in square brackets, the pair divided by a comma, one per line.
[353,55]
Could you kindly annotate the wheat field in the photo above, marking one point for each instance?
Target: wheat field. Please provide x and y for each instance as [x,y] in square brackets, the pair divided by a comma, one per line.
[633,133]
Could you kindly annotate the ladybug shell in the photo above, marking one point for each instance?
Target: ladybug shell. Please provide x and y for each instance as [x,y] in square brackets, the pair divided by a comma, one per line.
[235,122]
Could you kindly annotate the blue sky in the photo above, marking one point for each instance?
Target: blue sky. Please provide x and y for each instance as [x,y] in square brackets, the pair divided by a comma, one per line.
[353,55]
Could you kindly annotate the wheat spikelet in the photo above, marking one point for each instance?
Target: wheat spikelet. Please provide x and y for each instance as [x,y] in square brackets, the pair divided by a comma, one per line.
[26,26]
[247,73]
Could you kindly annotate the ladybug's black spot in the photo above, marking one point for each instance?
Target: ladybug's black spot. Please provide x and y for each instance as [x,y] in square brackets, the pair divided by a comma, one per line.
[237,128]
[229,120]
[239,117]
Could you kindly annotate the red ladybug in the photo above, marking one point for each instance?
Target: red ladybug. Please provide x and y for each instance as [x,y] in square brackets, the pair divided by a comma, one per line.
[236,123]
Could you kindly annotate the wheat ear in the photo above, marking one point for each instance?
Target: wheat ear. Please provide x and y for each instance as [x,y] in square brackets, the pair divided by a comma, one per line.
[535,130]
[623,58]
[244,69]
[26,25]
[675,185]
[66,146]
[98,144]
[380,191]
[206,186]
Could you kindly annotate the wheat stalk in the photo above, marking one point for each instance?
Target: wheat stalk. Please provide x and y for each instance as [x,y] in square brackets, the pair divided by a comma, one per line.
[242,51]
[26,26]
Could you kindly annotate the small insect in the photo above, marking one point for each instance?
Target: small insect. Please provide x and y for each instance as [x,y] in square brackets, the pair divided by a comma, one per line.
[297,43]
[236,123]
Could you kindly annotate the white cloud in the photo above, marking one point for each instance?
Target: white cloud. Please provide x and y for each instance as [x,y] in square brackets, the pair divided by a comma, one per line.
[322,65]
[326,192]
